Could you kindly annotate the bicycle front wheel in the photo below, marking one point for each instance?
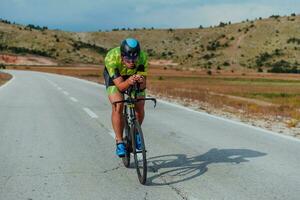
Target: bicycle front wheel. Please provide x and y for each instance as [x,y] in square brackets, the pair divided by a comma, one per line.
[140,155]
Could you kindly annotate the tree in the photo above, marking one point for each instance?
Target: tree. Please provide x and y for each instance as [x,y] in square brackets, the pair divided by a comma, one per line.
[275,16]
[222,24]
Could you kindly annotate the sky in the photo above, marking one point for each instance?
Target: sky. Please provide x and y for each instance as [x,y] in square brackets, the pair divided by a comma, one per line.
[94,15]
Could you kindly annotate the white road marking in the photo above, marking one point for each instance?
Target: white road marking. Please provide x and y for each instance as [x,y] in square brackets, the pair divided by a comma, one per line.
[66,93]
[90,113]
[74,99]
[51,82]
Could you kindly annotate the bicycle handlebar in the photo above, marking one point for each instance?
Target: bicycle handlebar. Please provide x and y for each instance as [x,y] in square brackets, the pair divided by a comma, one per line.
[136,100]
[135,87]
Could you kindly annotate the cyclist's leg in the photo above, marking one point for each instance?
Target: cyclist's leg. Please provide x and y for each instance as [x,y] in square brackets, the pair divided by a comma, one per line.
[117,112]
[114,95]
[140,111]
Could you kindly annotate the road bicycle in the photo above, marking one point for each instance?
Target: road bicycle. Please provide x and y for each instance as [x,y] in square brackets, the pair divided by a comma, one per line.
[132,128]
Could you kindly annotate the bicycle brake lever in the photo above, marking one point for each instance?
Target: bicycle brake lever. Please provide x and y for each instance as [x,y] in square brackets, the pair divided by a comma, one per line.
[154,100]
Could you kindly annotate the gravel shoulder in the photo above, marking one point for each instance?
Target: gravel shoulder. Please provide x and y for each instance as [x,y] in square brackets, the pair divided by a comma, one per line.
[276,124]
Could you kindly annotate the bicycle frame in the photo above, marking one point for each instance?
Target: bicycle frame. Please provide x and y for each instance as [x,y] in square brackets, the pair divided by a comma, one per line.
[130,105]
[132,128]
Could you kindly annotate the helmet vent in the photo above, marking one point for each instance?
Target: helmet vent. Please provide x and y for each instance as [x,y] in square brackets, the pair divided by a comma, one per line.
[131,42]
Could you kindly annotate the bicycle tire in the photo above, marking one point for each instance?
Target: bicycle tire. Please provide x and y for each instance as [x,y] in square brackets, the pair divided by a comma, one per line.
[140,164]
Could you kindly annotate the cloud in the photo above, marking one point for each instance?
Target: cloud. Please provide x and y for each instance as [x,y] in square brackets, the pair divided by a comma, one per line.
[91,15]
[212,14]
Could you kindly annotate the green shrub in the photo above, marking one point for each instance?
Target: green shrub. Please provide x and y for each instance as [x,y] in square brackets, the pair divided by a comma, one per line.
[2,66]
[79,45]
[222,24]
[275,16]
[23,50]
[208,56]
[283,66]
[226,63]
[5,21]
[262,58]
[293,40]
[212,46]
[31,26]
[260,70]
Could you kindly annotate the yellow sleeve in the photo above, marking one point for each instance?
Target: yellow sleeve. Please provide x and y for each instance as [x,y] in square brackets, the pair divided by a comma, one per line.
[111,63]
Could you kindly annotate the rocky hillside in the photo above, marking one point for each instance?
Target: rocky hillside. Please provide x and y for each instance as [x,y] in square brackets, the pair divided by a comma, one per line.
[271,44]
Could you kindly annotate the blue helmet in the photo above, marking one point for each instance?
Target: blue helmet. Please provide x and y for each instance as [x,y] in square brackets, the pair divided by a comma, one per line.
[130,48]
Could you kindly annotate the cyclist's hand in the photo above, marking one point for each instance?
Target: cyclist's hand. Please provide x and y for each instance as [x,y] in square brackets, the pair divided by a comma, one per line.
[131,80]
[139,78]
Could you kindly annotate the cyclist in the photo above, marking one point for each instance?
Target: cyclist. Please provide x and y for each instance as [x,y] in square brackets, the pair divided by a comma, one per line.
[125,66]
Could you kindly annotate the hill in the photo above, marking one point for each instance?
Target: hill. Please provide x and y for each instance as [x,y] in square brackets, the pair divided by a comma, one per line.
[271,44]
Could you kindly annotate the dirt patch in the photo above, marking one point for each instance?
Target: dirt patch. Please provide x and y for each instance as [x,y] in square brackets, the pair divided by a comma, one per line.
[8,59]
[162,63]
[4,77]
[255,101]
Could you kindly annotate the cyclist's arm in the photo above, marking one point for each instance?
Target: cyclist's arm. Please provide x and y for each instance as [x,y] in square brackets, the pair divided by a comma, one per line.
[123,85]
[142,70]
[143,82]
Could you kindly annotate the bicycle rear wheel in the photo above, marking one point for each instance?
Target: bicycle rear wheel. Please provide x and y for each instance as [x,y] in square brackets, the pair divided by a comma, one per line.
[140,155]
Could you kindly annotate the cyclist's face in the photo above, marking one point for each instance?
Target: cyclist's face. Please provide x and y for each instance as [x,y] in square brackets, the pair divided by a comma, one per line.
[129,62]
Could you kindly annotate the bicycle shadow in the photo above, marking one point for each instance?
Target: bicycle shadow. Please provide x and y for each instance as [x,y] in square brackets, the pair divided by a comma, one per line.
[178,167]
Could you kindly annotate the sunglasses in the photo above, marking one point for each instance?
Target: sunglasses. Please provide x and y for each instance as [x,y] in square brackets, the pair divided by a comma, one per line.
[130,58]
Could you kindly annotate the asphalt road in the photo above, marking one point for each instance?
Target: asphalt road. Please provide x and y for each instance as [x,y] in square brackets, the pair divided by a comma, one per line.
[56,143]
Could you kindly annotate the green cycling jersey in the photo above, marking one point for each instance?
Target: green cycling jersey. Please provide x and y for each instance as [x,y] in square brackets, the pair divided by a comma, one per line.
[114,68]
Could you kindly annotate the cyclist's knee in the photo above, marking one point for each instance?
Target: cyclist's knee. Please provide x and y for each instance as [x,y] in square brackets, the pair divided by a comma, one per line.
[140,108]
[117,108]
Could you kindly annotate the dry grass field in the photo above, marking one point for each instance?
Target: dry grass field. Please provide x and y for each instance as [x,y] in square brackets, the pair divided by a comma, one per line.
[256,95]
